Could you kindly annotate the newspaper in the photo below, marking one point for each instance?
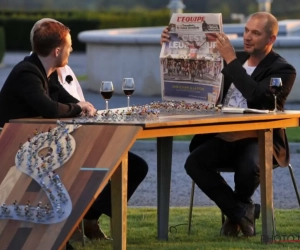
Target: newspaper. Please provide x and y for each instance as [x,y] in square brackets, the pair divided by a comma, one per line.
[190,64]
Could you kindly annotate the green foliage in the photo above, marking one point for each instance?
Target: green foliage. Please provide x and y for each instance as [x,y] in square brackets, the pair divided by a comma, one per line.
[206,223]
[281,8]
[17,25]
[17,30]
[2,43]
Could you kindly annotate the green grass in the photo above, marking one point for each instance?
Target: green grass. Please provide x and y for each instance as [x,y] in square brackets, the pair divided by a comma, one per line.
[293,134]
[141,233]
[82,78]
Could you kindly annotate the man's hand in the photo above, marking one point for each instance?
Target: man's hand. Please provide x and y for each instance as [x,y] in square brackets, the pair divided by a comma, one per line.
[87,108]
[225,48]
[165,37]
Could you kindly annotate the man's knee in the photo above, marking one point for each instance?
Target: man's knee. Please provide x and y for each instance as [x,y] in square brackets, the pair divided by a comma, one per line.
[137,166]
[190,164]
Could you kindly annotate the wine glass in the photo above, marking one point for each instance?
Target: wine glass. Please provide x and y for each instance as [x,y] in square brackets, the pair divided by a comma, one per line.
[106,90]
[128,87]
[275,88]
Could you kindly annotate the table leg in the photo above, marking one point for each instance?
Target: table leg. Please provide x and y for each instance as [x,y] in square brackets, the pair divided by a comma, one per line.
[164,165]
[265,139]
[119,205]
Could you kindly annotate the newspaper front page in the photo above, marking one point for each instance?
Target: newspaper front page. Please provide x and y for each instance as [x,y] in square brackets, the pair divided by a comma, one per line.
[190,64]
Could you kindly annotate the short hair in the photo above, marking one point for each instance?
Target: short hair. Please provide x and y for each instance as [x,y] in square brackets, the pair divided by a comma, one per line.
[271,25]
[47,35]
[37,25]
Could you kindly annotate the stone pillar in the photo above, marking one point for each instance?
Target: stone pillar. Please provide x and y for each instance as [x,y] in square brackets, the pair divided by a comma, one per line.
[175,6]
[264,5]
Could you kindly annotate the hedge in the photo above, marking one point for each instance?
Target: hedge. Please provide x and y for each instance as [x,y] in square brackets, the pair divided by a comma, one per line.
[17,32]
[2,43]
[17,25]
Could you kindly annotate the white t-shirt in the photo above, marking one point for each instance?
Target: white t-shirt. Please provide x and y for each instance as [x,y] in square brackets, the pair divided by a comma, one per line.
[73,87]
[234,98]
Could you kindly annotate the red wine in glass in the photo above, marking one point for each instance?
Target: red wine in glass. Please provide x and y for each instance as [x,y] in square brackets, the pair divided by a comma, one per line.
[106,90]
[107,95]
[128,92]
[128,88]
[275,88]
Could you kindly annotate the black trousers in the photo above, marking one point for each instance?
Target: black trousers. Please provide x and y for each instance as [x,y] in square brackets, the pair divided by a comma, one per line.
[137,171]
[242,156]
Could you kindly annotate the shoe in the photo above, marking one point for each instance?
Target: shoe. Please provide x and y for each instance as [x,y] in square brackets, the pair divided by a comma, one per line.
[93,231]
[69,246]
[229,228]
[247,223]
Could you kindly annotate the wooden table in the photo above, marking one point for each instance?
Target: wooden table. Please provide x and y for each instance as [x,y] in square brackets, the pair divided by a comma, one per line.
[164,129]
[177,125]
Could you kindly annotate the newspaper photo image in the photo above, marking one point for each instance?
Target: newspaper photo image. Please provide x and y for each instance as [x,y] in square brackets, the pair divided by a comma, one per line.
[190,64]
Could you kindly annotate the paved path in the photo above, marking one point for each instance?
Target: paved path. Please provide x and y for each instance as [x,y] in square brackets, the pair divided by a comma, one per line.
[284,195]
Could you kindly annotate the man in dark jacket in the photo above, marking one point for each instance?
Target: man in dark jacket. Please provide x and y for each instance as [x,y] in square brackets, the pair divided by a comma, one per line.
[31,89]
[246,82]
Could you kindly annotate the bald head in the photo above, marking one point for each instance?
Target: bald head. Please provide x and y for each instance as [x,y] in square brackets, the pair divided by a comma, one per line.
[37,25]
[271,23]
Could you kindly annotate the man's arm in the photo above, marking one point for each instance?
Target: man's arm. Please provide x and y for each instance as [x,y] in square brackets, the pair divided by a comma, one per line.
[31,89]
[257,90]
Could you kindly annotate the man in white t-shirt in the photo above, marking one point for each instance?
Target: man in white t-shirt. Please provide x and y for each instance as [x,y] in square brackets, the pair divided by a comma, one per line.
[247,76]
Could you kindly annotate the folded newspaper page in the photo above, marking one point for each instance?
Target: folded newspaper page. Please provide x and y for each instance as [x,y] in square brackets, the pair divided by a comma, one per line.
[234,110]
[190,64]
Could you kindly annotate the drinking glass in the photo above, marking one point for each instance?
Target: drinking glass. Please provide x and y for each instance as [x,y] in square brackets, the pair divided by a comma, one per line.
[106,90]
[275,88]
[128,87]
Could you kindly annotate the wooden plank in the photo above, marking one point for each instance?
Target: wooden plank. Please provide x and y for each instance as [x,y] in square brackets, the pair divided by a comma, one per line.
[99,147]
[184,120]
[21,235]
[119,204]
[216,128]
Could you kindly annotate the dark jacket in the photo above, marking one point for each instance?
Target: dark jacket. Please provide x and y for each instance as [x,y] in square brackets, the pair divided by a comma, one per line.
[255,89]
[27,92]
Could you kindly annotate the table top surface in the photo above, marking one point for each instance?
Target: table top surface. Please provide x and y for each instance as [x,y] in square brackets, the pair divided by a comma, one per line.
[180,119]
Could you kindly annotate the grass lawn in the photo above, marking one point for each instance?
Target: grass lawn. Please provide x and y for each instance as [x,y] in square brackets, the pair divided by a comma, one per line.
[293,134]
[141,233]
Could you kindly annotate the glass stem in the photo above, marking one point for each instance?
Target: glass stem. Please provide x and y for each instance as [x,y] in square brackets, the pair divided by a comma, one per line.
[106,104]
[275,109]
[128,100]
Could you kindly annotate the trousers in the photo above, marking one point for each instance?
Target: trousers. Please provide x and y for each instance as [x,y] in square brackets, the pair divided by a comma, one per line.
[137,171]
[215,153]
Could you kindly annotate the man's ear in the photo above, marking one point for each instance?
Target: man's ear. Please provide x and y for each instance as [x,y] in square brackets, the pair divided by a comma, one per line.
[272,39]
[57,51]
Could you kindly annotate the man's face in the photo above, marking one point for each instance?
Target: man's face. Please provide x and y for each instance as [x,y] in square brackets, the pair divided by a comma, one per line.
[256,39]
[64,52]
